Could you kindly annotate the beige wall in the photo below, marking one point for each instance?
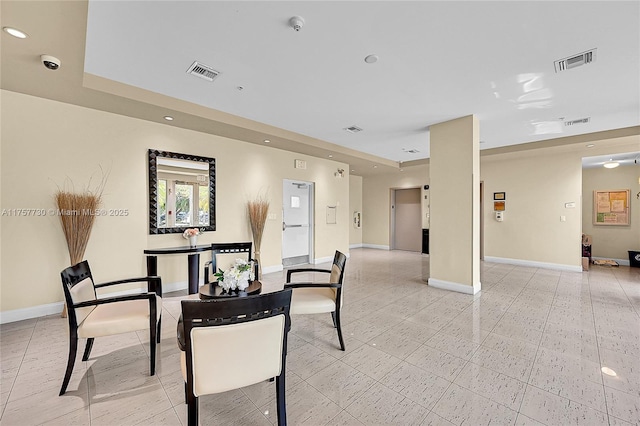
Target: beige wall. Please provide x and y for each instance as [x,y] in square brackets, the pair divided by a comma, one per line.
[355,205]
[376,193]
[612,242]
[537,188]
[44,143]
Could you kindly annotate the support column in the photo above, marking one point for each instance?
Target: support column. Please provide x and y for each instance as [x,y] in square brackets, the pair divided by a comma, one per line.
[454,179]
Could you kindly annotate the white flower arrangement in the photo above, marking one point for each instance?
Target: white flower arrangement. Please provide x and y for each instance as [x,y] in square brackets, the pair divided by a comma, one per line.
[235,278]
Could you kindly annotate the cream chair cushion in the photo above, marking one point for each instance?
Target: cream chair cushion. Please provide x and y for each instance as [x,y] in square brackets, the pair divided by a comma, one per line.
[308,300]
[220,352]
[118,317]
[83,292]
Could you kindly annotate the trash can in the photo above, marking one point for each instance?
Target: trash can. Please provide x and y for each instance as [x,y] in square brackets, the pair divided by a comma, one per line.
[634,259]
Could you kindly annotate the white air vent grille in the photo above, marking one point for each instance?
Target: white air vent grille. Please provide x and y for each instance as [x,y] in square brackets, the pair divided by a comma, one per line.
[575,60]
[353,129]
[203,71]
[578,121]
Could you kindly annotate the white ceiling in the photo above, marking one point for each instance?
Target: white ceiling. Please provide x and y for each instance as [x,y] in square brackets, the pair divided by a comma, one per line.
[437,61]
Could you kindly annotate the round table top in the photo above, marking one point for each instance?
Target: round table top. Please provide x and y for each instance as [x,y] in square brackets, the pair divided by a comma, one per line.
[213,291]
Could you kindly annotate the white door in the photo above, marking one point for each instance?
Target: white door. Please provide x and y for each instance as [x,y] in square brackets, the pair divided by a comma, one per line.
[296,220]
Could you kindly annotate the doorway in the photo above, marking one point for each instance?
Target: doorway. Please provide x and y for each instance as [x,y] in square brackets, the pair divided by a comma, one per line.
[297,222]
[406,208]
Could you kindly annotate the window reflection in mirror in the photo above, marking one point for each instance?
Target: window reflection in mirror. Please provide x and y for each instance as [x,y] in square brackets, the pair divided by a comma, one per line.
[181,192]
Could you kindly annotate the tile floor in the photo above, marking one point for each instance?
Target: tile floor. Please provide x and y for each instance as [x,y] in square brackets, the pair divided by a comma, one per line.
[527,350]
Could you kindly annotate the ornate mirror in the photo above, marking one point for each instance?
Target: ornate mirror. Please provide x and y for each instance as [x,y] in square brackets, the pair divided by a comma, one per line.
[182,192]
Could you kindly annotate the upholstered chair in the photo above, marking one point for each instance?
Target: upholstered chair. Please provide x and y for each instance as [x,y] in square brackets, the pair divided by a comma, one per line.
[91,317]
[234,342]
[316,298]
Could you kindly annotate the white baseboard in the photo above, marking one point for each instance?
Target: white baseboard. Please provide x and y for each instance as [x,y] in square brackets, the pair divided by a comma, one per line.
[325,259]
[457,287]
[621,262]
[272,268]
[355,246]
[31,312]
[375,246]
[534,264]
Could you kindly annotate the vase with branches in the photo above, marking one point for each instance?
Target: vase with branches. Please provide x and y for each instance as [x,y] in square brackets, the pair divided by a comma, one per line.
[77,212]
[258,209]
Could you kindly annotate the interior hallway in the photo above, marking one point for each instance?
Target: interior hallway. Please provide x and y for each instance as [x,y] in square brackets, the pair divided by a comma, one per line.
[527,350]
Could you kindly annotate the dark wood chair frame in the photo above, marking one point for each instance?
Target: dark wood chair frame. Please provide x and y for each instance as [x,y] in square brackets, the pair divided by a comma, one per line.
[340,261]
[217,312]
[228,248]
[77,273]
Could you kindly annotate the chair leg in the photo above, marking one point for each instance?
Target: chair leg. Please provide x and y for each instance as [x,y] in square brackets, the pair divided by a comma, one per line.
[73,348]
[192,409]
[281,406]
[152,342]
[333,317]
[87,349]
[337,316]
[158,329]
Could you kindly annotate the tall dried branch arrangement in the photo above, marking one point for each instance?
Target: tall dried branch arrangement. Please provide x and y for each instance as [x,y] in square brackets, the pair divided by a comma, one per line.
[77,212]
[77,215]
[258,210]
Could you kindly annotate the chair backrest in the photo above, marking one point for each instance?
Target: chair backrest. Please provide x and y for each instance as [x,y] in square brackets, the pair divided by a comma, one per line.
[224,254]
[235,342]
[337,273]
[78,286]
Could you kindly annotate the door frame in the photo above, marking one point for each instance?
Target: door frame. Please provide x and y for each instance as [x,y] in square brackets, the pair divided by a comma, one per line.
[392,213]
[312,194]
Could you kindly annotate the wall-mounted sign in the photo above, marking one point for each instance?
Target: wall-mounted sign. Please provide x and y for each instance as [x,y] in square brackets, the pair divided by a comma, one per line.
[498,206]
[499,195]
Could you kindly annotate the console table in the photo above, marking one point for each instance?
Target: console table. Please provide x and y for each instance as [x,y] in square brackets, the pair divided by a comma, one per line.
[193,259]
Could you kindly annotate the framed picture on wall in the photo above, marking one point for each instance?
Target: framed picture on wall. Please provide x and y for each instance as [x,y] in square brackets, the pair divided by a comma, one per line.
[611,207]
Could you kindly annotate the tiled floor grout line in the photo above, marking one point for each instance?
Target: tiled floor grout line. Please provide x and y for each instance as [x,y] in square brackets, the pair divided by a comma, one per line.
[13,380]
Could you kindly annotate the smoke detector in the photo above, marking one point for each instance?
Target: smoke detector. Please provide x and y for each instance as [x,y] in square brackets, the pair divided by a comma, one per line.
[575,60]
[296,22]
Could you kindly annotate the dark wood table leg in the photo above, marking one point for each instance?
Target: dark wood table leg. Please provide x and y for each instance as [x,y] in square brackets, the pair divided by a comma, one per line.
[152,266]
[194,272]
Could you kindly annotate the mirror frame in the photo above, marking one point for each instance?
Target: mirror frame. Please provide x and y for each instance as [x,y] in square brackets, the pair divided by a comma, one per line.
[153,191]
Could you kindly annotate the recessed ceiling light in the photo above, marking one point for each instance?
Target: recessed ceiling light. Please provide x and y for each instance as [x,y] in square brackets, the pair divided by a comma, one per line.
[168,118]
[371,59]
[330,156]
[375,167]
[266,141]
[352,170]
[591,145]
[240,88]
[14,32]
[611,164]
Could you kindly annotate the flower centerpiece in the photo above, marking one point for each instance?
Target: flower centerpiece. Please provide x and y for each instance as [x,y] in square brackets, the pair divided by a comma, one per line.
[191,234]
[235,278]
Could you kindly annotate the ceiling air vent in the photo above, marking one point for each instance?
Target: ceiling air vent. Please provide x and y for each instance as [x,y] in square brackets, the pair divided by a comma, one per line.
[578,121]
[203,71]
[575,60]
[353,129]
